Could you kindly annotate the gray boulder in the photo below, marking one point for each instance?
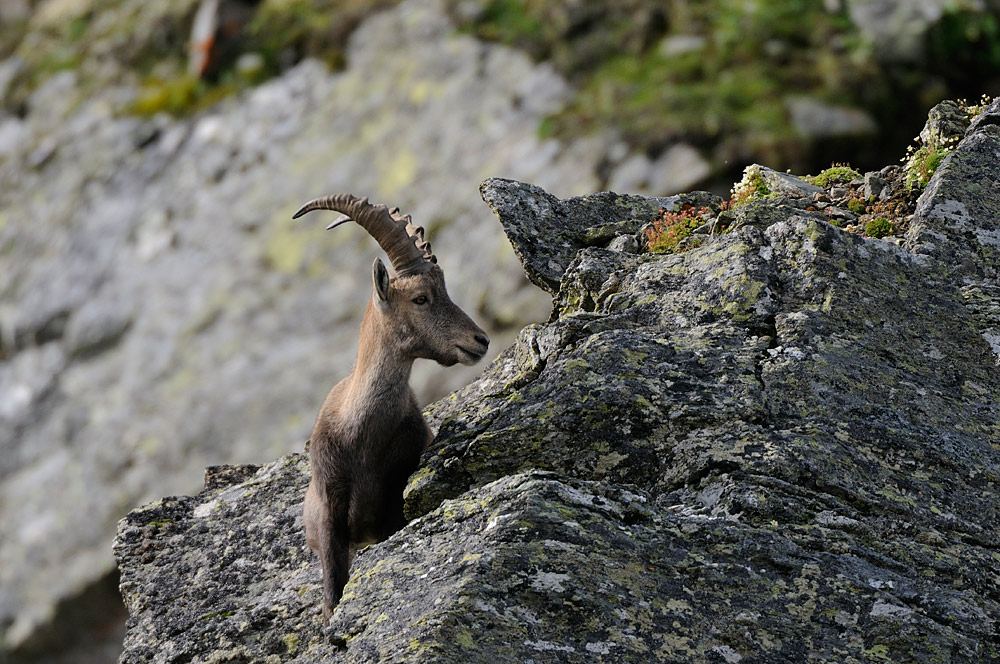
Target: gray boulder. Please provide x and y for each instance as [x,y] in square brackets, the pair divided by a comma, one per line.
[782,445]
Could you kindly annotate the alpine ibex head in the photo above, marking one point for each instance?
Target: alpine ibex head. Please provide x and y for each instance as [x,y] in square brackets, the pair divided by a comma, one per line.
[413,308]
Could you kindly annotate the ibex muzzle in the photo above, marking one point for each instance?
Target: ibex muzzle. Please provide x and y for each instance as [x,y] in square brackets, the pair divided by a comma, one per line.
[370,432]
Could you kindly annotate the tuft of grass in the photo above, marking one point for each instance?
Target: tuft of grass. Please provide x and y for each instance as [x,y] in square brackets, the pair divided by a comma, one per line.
[923,161]
[879,228]
[511,22]
[836,174]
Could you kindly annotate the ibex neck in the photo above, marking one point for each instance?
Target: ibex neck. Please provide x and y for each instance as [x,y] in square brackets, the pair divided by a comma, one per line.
[381,374]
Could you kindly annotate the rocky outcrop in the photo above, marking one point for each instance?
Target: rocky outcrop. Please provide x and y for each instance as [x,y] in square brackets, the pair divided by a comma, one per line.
[159,309]
[781,445]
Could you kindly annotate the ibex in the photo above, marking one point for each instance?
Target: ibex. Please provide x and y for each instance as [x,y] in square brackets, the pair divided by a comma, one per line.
[370,432]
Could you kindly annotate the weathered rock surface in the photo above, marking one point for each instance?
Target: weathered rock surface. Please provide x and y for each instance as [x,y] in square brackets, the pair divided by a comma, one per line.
[547,232]
[956,220]
[783,445]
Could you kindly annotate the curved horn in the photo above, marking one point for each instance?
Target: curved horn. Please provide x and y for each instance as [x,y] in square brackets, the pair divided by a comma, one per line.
[403,242]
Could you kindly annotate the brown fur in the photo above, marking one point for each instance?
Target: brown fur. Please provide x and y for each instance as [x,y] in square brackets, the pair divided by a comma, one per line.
[370,432]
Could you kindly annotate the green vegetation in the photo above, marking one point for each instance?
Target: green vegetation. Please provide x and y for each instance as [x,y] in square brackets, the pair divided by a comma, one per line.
[836,174]
[881,219]
[752,187]
[709,71]
[923,161]
[714,74]
[924,157]
[103,41]
[181,95]
[107,41]
[672,232]
[879,228]
[511,22]
[285,31]
[279,33]
[213,616]
[966,42]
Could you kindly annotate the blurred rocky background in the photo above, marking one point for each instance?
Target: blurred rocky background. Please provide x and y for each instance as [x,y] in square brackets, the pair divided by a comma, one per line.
[159,310]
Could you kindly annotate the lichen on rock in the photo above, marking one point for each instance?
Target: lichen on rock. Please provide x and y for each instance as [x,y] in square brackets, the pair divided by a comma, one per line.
[547,232]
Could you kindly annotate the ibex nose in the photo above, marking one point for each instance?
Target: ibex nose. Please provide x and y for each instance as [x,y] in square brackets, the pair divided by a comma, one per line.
[483,340]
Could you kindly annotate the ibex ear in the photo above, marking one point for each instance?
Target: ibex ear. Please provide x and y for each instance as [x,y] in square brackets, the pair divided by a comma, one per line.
[380,276]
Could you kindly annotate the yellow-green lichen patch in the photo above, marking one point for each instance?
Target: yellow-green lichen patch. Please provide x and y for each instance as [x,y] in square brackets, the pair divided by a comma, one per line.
[398,172]
[286,245]
[422,475]
[878,653]
[291,642]
[465,639]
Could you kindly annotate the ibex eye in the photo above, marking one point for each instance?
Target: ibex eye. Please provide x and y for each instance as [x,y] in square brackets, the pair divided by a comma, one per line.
[420,300]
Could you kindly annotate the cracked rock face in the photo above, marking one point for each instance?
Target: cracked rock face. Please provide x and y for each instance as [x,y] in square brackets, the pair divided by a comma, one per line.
[783,445]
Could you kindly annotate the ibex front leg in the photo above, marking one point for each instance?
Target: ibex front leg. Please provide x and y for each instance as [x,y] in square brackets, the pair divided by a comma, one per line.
[335,558]
[328,533]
